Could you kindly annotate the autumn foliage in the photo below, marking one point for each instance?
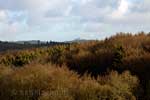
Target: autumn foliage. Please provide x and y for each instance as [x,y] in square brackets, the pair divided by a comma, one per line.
[116,68]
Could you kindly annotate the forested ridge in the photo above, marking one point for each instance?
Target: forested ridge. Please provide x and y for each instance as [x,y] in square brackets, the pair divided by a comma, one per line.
[117,68]
[20,45]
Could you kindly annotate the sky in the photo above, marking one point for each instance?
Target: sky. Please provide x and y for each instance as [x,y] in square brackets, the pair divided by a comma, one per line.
[61,20]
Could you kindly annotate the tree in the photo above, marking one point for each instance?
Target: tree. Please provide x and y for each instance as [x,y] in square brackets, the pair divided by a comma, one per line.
[118,57]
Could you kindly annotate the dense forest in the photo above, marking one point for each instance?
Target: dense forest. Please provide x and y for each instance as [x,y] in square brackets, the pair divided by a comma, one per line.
[19,45]
[117,68]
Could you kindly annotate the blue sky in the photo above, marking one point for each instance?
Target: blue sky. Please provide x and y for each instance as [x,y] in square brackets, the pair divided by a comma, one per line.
[61,20]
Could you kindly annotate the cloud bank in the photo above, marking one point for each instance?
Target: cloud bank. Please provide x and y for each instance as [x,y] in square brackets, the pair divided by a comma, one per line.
[68,19]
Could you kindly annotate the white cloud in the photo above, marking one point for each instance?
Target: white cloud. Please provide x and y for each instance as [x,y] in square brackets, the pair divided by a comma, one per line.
[85,1]
[72,17]
[121,10]
[3,16]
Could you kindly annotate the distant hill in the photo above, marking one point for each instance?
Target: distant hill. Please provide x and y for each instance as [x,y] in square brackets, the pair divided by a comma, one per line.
[31,42]
[17,45]
[78,40]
